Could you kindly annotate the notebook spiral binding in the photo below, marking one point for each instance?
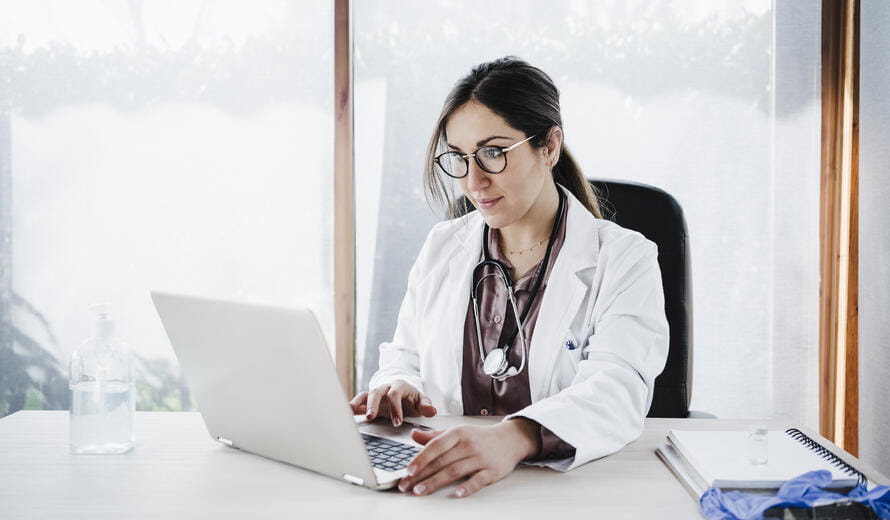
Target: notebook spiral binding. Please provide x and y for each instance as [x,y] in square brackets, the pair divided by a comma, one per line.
[823,452]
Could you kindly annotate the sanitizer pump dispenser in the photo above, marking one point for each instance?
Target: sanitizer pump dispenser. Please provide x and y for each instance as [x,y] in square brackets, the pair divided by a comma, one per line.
[102,396]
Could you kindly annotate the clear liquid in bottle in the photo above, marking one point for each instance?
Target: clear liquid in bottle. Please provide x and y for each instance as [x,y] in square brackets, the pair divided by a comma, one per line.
[102,396]
[101,417]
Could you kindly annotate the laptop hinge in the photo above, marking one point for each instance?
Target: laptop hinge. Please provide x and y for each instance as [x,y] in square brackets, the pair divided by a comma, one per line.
[227,442]
[353,479]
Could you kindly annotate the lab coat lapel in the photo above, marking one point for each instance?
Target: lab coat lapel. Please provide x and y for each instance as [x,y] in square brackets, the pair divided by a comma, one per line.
[460,269]
[564,293]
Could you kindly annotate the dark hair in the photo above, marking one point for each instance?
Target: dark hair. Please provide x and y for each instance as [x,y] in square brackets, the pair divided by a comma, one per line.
[526,98]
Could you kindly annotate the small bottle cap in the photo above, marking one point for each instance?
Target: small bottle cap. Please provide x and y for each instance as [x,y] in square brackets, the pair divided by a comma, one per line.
[758,444]
[102,309]
[104,323]
[757,429]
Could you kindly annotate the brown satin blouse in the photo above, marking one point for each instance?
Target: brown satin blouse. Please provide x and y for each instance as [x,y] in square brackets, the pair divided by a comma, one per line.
[483,395]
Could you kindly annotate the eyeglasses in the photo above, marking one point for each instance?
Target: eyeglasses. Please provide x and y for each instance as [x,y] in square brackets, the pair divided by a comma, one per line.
[492,159]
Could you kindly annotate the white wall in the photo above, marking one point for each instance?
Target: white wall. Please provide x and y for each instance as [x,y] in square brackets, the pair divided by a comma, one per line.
[874,235]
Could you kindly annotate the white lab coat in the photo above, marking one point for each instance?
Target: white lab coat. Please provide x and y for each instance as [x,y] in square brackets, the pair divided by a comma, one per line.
[604,294]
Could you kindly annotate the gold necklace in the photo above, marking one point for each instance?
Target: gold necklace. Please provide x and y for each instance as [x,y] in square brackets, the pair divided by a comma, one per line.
[526,250]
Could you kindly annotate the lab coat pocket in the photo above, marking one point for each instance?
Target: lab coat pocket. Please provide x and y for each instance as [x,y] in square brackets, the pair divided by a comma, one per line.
[570,353]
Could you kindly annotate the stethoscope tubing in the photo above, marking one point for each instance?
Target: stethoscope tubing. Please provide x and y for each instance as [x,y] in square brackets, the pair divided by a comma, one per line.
[502,374]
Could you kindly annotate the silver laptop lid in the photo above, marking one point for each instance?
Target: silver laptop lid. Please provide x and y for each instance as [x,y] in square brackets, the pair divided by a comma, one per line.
[265,383]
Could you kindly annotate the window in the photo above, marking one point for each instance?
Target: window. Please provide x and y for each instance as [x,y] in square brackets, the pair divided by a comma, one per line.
[717,103]
[182,146]
[187,146]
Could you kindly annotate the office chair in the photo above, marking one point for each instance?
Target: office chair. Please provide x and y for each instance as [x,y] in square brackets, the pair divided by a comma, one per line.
[657,215]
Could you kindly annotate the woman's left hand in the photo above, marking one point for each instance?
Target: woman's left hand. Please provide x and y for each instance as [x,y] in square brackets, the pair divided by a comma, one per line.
[485,454]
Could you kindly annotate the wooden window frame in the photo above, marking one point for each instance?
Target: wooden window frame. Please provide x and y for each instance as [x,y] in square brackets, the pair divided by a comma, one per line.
[344,199]
[839,226]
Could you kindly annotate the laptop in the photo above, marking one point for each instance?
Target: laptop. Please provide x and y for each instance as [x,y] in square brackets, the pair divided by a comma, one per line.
[265,383]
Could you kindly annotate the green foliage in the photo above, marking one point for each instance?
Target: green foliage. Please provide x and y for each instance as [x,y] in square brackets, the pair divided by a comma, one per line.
[161,387]
[33,400]
[32,378]
[30,375]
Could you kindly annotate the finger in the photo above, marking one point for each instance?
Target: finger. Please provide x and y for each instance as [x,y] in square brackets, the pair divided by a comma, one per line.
[449,457]
[447,475]
[478,481]
[405,394]
[409,405]
[374,398]
[360,398]
[421,437]
[424,436]
[419,404]
[435,447]
[425,407]
[358,402]
[394,398]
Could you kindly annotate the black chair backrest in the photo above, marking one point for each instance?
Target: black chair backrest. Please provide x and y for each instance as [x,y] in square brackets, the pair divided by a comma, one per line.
[657,215]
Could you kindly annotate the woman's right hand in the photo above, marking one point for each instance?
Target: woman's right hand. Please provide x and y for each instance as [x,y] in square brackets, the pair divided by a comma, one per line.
[395,401]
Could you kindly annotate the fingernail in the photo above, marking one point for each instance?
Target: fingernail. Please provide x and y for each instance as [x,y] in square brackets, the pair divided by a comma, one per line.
[369,413]
[460,492]
[419,489]
[396,421]
[411,469]
[404,485]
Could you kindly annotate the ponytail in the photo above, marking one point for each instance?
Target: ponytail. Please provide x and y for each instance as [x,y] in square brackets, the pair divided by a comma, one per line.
[568,174]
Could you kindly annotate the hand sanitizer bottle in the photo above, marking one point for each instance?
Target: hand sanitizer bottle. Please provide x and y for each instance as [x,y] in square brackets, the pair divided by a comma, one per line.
[102,397]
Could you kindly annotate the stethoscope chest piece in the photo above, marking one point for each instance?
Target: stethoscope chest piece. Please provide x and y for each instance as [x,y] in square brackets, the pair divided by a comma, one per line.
[495,362]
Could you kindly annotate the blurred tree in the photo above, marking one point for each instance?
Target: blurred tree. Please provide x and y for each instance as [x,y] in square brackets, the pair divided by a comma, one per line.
[160,386]
[30,375]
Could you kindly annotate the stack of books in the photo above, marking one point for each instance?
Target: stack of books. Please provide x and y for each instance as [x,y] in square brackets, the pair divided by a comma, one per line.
[722,459]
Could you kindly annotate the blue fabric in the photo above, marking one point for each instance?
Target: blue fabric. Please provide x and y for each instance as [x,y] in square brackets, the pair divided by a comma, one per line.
[803,491]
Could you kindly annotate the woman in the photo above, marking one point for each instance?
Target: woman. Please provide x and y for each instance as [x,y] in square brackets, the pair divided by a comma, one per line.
[571,362]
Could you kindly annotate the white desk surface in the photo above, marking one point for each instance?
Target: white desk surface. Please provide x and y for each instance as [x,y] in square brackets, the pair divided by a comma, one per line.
[178,471]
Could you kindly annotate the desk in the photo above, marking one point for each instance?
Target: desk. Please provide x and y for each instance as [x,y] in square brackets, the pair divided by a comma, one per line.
[178,471]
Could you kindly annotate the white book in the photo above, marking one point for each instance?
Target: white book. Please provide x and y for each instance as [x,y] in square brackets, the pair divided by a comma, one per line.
[681,470]
[721,459]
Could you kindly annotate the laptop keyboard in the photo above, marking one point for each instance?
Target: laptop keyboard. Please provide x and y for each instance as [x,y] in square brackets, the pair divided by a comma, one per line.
[388,455]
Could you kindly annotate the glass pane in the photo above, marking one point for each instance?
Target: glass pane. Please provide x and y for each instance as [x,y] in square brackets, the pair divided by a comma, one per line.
[715,102]
[178,145]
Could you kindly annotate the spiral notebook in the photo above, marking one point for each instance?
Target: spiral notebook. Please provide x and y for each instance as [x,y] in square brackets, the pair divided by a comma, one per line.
[704,459]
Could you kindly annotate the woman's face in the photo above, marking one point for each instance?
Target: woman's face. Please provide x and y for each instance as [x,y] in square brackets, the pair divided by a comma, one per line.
[504,198]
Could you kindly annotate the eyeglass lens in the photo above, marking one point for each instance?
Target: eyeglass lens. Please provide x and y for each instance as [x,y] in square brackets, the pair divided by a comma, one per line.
[490,158]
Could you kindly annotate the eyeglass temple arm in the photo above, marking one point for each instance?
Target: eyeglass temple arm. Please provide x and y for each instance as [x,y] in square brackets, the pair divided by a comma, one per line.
[514,145]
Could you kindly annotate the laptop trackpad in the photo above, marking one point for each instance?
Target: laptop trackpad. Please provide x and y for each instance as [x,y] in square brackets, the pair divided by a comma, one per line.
[384,428]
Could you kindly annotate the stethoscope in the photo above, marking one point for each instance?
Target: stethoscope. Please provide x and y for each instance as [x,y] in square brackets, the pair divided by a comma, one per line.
[496,364]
